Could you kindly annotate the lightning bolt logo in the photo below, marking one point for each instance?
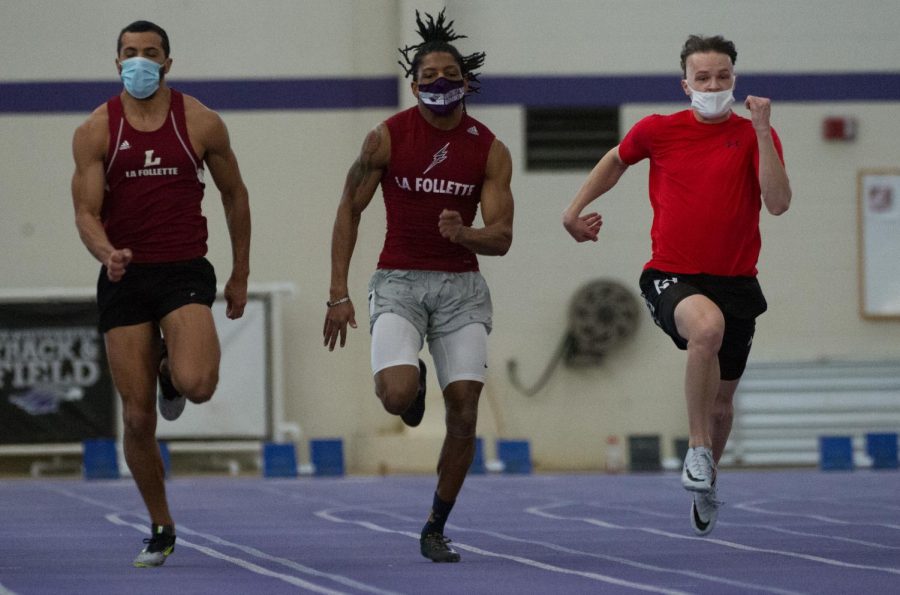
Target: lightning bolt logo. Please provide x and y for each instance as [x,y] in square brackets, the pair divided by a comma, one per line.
[438,158]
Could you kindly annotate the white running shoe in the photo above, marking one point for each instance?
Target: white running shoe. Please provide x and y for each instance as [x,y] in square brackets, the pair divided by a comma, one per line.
[158,548]
[699,471]
[704,511]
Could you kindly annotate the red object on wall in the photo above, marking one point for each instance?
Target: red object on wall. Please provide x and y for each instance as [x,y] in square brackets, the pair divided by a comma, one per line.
[839,128]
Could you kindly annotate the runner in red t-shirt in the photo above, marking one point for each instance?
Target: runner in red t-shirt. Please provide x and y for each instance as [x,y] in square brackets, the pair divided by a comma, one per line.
[137,187]
[710,172]
[435,165]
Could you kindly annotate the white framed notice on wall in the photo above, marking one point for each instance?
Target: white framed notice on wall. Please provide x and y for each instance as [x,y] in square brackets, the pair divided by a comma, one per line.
[878,196]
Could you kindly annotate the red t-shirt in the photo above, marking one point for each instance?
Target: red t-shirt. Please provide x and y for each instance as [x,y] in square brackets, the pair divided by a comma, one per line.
[704,190]
[431,170]
[154,186]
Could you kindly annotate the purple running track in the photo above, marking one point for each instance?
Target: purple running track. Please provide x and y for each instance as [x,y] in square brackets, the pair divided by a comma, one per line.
[797,531]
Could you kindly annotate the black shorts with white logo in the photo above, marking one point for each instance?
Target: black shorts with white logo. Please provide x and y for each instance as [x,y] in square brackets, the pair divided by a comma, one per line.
[149,291]
[740,299]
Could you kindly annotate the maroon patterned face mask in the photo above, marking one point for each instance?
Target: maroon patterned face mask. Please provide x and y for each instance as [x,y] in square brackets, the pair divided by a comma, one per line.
[442,96]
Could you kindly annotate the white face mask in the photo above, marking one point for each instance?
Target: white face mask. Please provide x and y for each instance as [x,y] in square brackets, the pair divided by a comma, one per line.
[713,105]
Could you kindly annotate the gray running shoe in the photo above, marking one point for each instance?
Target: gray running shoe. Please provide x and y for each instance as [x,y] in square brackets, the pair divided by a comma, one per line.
[171,402]
[699,471]
[704,511]
[435,547]
[159,546]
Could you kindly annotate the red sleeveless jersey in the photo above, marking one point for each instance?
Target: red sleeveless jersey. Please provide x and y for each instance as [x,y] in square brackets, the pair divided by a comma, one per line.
[431,170]
[154,186]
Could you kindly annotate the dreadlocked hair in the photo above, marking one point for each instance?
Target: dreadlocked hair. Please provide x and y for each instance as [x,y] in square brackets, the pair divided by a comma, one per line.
[436,36]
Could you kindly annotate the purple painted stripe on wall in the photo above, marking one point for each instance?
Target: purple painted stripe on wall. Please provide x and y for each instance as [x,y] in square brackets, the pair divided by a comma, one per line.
[555,91]
[238,94]
[383,92]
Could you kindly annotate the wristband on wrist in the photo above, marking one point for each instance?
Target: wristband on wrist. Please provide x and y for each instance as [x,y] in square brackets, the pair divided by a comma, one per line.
[343,300]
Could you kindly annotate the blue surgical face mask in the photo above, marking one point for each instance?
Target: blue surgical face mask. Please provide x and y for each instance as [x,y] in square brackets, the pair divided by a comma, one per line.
[141,76]
[442,96]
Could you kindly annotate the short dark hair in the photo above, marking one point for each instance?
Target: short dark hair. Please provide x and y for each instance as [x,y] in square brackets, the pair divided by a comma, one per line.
[143,27]
[698,44]
[436,36]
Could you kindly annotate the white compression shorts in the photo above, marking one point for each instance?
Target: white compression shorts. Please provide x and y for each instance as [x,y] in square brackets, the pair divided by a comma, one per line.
[460,355]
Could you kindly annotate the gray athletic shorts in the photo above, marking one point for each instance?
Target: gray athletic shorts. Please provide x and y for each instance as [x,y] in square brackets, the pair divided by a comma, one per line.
[435,302]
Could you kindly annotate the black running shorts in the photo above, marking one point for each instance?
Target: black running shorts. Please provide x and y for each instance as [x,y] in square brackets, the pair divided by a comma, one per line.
[740,299]
[147,292]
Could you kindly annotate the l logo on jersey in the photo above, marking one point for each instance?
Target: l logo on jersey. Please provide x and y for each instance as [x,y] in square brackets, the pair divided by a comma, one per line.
[151,167]
[149,161]
[438,158]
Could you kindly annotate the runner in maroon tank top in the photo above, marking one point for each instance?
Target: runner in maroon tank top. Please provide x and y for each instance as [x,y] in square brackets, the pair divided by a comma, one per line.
[140,160]
[436,165]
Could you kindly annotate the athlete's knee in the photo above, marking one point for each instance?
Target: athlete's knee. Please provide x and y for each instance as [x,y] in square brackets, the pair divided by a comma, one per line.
[394,403]
[139,423]
[707,332]
[462,417]
[198,386]
[723,409]
[395,398]
[397,387]
[462,427]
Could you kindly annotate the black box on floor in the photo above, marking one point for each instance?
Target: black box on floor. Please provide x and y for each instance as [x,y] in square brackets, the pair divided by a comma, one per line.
[644,453]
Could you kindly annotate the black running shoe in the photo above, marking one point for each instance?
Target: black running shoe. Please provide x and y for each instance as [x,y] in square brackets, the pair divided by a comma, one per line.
[159,546]
[435,548]
[414,414]
[171,403]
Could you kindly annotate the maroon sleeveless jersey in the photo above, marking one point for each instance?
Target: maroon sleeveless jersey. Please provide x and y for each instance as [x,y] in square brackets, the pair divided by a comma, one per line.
[431,170]
[154,186]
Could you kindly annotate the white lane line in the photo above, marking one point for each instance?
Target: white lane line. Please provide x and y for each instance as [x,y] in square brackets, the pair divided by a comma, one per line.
[773,528]
[348,582]
[293,580]
[542,511]
[820,536]
[331,515]
[754,506]
[644,566]
[5,591]
[861,504]
[606,557]
[86,499]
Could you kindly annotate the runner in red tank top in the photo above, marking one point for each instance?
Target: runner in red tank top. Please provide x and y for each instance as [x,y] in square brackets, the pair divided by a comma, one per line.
[710,172]
[431,170]
[137,187]
[436,165]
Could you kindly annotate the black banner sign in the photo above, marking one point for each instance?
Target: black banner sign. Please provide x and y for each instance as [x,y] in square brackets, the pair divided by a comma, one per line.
[55,384]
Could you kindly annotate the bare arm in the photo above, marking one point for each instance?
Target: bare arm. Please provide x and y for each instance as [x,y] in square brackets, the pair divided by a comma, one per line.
[773,179]
[88,181]
[226,174]
[359,188]
[495,238]
[602,178]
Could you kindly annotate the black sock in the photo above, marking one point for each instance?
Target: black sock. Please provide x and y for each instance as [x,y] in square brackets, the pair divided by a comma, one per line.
[162,529]
[440,510]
